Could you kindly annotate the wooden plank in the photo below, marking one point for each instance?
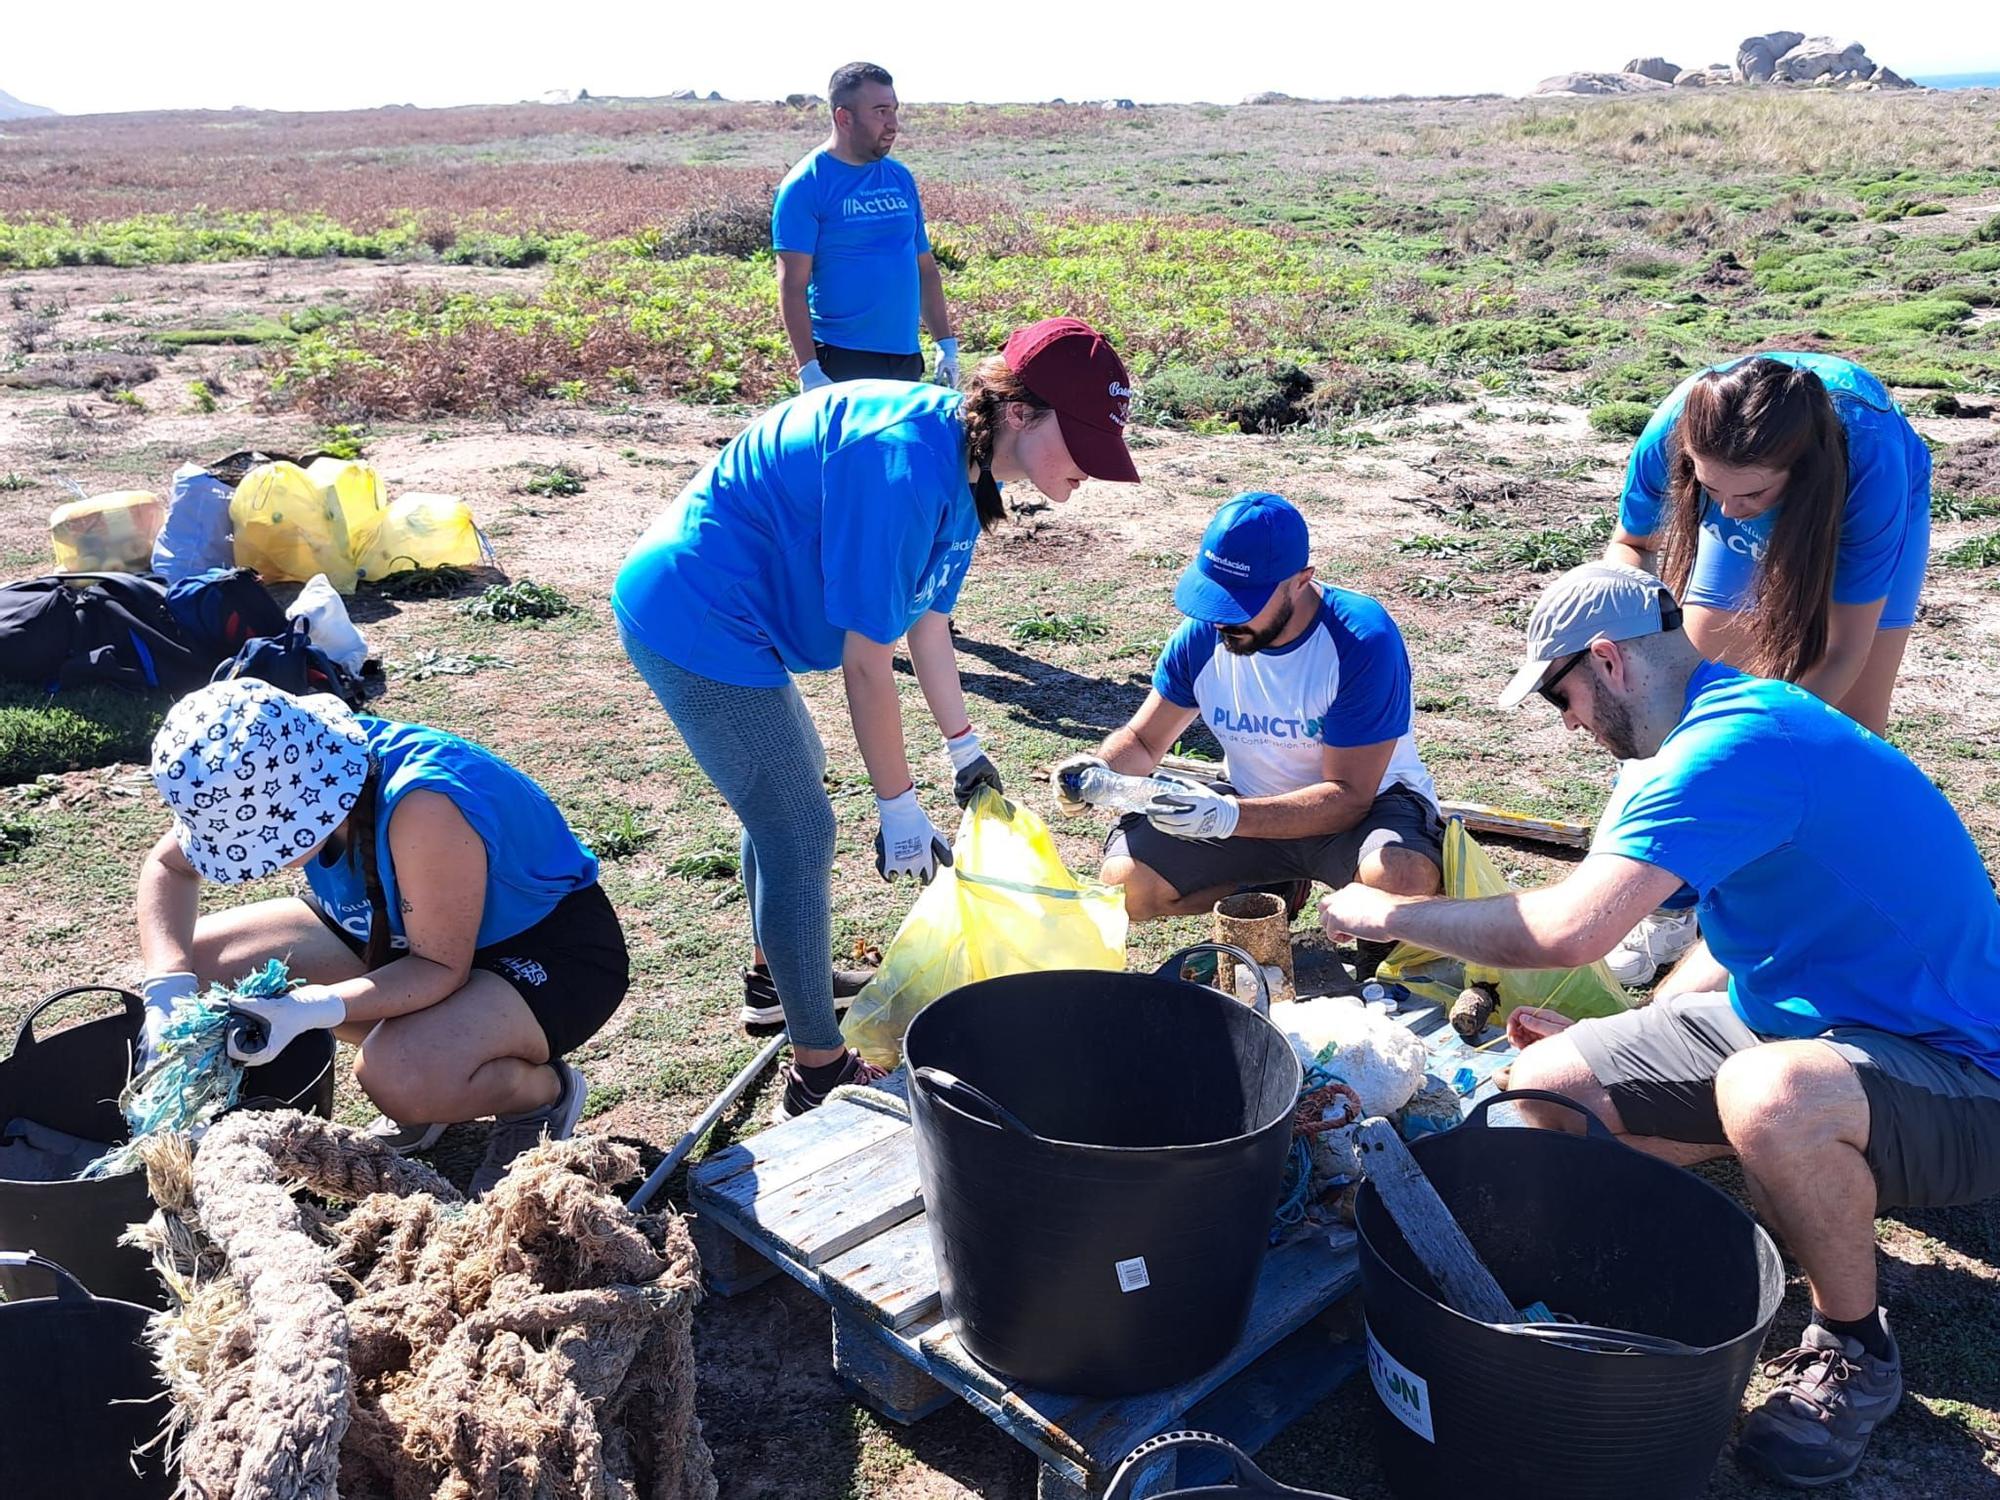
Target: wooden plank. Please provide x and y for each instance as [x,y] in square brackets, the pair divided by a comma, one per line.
[856,1198]
[729,1264]
[1433,1234]
[1278,1389]
[890,1278]
[743,1172]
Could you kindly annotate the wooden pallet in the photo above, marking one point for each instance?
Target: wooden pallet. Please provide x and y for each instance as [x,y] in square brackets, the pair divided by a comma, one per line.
[832,1199]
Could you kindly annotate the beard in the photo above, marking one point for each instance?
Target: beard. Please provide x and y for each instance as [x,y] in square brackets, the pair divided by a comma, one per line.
[1614,728]
[1240,642]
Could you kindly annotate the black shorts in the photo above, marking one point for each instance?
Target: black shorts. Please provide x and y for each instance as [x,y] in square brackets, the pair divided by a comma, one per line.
[1399,816]
[866,364]
[1933,1117]
[571,968]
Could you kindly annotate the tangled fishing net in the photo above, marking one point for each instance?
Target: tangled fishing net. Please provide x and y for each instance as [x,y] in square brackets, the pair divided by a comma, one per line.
[400,1344]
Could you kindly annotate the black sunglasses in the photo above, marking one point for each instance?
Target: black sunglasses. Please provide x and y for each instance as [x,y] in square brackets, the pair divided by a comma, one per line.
[1670,619]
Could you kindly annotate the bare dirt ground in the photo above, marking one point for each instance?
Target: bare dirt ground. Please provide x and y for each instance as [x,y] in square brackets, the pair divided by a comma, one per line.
[1407,514]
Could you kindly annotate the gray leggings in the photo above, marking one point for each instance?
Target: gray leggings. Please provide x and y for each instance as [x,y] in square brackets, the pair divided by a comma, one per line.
[758,745]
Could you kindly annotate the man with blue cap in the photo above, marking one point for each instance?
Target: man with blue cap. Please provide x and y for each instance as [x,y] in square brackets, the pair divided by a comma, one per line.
[1307,689]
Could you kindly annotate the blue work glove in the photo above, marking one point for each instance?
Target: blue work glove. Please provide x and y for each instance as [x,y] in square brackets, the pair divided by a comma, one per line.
[310,1007]
[1194,812]
[908,843]
[163,992]
[971,766]
[947,363]
[812,377]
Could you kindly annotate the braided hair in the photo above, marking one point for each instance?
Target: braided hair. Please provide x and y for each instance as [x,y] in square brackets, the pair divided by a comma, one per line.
[993,386]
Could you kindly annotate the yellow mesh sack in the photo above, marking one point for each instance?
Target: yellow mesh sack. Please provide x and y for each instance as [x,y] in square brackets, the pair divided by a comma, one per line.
[110,533]
[423,531]
[288,528]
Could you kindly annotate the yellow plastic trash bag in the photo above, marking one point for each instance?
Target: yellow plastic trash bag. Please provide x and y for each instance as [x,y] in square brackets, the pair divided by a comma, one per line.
[288,528]
[1576,993]
[357,489]
[1006,905]
[423,531]
[107,533]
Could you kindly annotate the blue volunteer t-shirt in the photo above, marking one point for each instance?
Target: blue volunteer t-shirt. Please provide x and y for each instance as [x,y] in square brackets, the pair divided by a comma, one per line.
[864,228]
[1888,486]
[533,860]
[1773,806]
[1344,682]
[846,508]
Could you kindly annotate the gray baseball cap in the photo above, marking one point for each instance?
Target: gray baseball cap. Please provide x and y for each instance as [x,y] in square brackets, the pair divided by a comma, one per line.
[1599,601]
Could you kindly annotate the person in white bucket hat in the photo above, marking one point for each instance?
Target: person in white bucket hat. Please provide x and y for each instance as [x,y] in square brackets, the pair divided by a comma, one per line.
[451,926]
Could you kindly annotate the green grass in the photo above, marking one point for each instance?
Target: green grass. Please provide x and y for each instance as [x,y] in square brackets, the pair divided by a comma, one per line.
[1974,552]
[520,602]
[1058,628]
[554,480]
[1621,418]
[78,729]
[262,332]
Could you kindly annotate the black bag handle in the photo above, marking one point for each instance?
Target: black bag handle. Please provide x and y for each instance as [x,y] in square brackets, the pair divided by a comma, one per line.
[1247,1479]
[1171,969]
[974,1103]
[68,1288]
[24,1034]
[1591,1124]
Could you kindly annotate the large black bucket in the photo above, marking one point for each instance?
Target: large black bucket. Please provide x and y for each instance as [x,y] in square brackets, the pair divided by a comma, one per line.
[1600,1233]
[70,1081]
[1100,1156]
[78,1393]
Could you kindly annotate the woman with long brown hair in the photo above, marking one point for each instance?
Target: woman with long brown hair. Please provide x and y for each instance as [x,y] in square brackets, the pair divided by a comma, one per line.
[836,525]
[1785,499]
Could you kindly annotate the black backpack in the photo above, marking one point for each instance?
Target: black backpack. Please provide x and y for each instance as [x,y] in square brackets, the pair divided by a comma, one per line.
[292,662]
[85,629]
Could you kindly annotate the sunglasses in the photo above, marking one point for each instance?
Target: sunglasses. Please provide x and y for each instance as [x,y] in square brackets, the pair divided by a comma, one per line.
[1670,619]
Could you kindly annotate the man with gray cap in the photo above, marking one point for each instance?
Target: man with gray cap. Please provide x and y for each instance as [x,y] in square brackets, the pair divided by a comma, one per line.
[1837,1029]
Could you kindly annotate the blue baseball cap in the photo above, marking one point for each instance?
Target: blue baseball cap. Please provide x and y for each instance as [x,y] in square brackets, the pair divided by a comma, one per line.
[1255,543]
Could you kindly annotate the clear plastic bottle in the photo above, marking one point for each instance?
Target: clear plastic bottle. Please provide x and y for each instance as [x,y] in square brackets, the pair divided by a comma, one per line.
[1100,786]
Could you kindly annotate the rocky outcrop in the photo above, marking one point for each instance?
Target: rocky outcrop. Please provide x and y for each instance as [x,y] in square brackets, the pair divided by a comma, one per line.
[1822,57]
[1596,85]
[1757,56]
[1884,78]
[19,109]
[1269,96]
[1708,77]
[1656,68]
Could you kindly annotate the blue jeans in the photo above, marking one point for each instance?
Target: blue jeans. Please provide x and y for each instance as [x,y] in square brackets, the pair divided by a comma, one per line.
[758,745]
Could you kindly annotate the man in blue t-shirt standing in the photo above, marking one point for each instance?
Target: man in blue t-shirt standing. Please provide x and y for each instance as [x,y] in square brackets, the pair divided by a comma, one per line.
[854,263]
[1307,689]
[1837,1029]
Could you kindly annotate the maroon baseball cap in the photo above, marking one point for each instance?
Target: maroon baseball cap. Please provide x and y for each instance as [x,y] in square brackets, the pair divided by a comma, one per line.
[1073,367]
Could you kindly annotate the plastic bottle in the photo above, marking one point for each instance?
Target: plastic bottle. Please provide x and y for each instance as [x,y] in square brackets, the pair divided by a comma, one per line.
[1100,786]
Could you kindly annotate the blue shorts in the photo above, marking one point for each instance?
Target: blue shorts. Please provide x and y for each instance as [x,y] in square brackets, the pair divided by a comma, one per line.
[1725,562]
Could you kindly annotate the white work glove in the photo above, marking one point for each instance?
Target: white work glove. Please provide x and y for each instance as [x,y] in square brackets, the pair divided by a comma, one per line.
[310,1007]
[947,363]
[163,992]
[908,843]
[812,377]
[972,768]
[1064,801]
[1194,812]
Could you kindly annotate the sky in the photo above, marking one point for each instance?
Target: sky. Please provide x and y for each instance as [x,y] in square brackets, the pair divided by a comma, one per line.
[116,55]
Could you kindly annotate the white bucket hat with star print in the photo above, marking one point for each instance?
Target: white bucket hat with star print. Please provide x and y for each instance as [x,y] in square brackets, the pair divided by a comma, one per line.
[256,777]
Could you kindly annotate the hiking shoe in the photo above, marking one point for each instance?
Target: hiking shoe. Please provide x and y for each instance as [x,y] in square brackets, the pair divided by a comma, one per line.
[1832,1394]
[513,1134]
[800,1096]
[1368,956]
[404,1140]
[1648,948]
[762,1014]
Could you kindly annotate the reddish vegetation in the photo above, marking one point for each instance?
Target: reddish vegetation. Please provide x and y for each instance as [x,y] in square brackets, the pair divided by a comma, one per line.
[369,168]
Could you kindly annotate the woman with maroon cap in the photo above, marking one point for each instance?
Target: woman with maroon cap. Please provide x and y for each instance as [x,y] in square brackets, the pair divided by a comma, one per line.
[837,524]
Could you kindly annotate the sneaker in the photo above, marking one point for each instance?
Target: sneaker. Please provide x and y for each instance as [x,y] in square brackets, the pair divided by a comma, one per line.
[513,1134]
[1832,1394]
[800,1096]
[762,1010]
[1648,948]
[1368,957]
[404,1140]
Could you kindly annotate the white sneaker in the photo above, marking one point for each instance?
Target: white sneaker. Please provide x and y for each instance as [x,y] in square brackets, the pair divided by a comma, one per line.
[404,1140]
[1656,942]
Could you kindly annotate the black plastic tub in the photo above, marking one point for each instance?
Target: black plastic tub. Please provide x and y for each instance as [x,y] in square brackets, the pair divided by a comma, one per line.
[78,1392]
[1100,1154]
[70,1081]
[1676,1285]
